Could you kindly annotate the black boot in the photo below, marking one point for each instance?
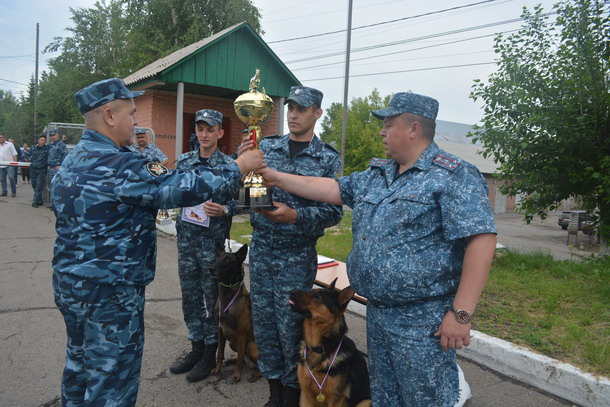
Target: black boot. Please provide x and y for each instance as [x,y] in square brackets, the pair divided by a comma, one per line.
[185,364]
[203,368]
[276,390]
[291,397]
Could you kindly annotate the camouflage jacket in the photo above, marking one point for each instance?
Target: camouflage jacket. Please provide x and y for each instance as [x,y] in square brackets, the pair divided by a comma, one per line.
[409,230]
[57,153]
[106,198]
[219,225]
[38,156]
[319,160]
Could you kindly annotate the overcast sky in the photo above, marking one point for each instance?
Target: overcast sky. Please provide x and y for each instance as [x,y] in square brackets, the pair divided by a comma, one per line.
[429,49]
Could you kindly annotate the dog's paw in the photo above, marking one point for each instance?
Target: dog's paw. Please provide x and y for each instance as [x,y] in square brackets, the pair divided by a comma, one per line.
[235,378]
[216,370]
[254,377]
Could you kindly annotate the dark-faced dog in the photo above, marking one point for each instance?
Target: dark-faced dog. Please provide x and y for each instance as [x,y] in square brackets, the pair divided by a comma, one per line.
[233,312]
[332,371]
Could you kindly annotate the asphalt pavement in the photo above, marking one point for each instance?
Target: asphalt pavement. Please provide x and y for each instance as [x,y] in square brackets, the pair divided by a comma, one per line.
[32,339]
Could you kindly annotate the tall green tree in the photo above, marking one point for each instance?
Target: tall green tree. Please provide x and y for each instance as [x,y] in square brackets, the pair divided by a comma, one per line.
[547,110]
[362,131]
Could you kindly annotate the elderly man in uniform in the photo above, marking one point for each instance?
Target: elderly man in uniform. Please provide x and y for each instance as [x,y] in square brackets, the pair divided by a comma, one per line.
[149,151]
[38,156]
[197,246]
[283,250]
[424,238]
[105,199]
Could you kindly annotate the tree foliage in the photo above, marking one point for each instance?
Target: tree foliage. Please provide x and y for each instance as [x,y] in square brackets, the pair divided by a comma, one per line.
[114,38]
[362,131]
[547,110]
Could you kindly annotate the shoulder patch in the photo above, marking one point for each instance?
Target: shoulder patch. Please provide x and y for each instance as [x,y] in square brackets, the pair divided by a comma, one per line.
[156,169]
[446,162]
[331,148]
[378,162]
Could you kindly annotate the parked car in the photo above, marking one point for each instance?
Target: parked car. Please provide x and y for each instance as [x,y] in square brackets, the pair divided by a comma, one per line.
[585,221]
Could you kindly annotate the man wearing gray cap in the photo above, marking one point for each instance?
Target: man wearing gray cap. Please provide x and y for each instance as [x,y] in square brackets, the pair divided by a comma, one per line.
[197,245]
[149,151]
[283,249]
[106,198]
[424,238]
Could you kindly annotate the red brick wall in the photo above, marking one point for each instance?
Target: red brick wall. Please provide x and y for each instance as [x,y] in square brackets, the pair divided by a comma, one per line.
[157,109]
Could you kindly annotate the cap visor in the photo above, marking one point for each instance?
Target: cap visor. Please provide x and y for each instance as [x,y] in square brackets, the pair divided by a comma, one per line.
[132,94]
[298,101]
[383,113]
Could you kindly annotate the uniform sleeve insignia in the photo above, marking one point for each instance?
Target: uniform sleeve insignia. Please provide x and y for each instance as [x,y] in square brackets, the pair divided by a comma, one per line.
[156,169]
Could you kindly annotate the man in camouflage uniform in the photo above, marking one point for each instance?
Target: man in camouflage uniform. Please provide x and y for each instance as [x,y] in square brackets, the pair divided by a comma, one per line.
[283,250]
[149,151]
[424,238]
[57,153]
[38,156]
[105,199]
[197,247]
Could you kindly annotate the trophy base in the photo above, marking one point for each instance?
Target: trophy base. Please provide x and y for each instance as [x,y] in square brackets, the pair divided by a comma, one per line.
[248,200]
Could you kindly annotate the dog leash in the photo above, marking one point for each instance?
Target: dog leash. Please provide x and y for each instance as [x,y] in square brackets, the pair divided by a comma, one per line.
[321,397]
[230,303]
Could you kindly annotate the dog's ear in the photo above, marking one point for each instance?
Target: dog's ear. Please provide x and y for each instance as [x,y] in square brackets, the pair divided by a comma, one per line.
[332,285]
[242,252]
[345,297]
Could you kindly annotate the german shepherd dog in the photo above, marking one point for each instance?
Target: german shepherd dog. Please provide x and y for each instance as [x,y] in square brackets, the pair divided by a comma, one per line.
[233,312]
[332,372]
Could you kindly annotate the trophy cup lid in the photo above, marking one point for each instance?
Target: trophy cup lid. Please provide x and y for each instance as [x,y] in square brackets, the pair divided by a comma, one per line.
[253,107]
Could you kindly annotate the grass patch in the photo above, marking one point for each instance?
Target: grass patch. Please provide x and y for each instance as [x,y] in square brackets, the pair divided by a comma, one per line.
[558,308]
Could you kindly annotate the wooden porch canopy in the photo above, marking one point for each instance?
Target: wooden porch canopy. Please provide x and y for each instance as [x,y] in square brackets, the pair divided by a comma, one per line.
[219,66]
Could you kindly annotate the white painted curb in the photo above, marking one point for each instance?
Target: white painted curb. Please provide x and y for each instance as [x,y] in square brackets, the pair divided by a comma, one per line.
[551,375]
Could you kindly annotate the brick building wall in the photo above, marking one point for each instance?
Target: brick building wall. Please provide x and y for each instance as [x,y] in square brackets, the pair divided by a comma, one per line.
[157,110]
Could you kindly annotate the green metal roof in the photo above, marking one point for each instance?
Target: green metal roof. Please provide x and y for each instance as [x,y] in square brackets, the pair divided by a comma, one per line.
[220,65]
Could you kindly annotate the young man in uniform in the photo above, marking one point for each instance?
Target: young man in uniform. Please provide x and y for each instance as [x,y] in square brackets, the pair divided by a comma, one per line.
[424,239]
[283,249]
[199,236]
[106,198]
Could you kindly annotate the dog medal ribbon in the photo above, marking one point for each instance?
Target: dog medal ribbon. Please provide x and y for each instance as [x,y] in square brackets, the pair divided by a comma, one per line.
[321,397]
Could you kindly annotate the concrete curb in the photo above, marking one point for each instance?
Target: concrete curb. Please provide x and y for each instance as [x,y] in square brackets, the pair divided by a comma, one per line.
[548,374]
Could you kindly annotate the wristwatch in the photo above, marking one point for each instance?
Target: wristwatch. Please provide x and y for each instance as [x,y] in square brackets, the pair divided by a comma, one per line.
[225,209]
[462,316]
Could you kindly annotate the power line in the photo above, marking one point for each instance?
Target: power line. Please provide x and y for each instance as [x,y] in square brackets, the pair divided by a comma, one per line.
[383,22]
[403,71]
[18,83]
[425,37]
[404,51]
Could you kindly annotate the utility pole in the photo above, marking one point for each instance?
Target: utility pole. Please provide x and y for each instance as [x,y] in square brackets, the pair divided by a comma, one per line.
[36,82]
[346,83]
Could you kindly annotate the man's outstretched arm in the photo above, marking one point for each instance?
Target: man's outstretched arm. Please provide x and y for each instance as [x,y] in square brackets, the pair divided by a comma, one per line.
[314,188]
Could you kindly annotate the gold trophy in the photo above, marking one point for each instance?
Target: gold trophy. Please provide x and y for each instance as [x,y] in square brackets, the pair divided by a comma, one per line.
[254,108]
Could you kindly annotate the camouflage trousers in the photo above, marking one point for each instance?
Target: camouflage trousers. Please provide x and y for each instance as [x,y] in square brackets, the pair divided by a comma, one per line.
[199,289]
[52,172]
[105,329]
[406,363]
[38,177]
[274,273]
